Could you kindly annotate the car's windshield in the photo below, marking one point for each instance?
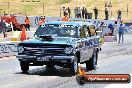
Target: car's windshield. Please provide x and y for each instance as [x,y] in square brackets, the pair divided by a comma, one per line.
[60,30]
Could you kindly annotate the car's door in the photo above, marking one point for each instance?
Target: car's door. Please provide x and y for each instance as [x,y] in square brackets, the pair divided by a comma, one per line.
[93,41]
[89,43]
[85,41]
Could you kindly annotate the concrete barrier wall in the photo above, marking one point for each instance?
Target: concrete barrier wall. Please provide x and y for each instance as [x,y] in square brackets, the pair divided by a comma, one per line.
[8,49]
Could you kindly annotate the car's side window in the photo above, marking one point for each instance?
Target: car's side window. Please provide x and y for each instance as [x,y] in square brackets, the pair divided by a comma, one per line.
[86,30]
[82,33]
[92,30]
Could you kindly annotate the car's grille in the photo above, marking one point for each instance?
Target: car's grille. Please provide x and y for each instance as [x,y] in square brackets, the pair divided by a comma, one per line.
[44,51]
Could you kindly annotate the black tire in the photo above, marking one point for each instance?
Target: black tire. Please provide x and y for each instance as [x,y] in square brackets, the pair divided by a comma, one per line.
[24,67]
[91,64]
[74,67]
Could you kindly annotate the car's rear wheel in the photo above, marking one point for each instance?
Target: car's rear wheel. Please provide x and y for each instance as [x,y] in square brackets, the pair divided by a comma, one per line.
[24,67]
[92,63]
[74,67]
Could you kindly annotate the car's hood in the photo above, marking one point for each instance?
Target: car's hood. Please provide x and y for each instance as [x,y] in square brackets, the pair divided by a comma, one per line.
[62,40]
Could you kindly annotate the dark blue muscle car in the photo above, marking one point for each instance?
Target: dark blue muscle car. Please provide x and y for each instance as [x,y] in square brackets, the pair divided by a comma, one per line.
[61,43]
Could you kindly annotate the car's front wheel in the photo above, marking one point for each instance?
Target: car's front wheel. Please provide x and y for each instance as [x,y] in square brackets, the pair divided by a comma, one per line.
[92,62]
[24,67]
[74,67]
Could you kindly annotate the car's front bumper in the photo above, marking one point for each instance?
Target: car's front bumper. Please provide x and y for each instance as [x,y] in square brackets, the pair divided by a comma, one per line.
[51,58]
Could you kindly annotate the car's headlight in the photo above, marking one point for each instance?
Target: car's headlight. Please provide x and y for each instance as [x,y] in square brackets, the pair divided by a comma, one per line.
[20,49]
[68,50]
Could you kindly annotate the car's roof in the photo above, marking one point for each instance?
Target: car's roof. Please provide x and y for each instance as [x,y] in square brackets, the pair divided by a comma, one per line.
[79,23]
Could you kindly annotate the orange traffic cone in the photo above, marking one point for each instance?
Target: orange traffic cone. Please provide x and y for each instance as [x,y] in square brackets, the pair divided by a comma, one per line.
[23,34]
